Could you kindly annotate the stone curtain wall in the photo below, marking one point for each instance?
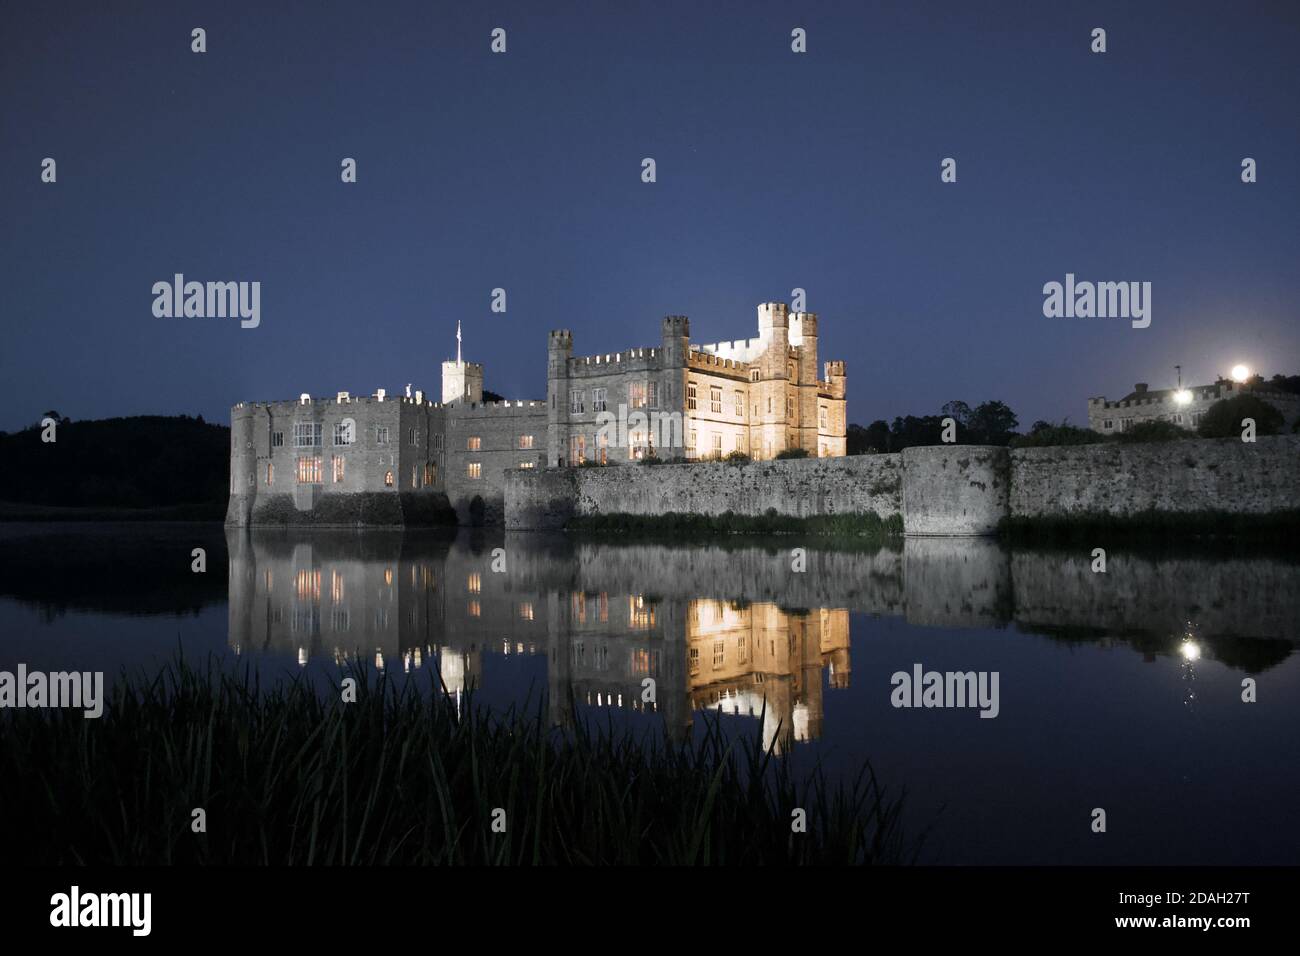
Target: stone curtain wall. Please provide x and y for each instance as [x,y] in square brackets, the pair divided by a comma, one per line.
[802,487]
[939,490]
[1221,474]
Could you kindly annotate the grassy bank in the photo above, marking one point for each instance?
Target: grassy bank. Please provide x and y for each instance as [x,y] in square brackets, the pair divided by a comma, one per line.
[868,525]
[1276,532]
[288,776]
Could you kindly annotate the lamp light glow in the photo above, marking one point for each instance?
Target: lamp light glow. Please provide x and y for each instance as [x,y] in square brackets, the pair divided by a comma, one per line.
[1240,373]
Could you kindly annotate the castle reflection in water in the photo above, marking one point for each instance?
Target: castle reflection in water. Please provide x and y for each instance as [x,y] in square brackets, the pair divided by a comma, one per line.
[413,604]
[729,628]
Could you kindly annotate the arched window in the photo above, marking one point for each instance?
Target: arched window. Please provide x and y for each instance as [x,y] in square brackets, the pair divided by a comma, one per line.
[388,479]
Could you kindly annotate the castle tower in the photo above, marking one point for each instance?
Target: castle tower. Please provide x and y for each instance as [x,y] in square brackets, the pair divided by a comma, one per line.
[768,433]
[803,337]
[674,354]
[559,350]
[461,381]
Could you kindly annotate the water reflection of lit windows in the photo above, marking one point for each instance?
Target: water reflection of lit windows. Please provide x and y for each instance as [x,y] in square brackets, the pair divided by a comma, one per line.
[381,617]
[305,620]
[379,660]
[641,613]
[302,657]
[578,601]
[579,654]
[267,579]
[474,609]
[519,648]
[603,605]
[719,653]
[336,587]
[474,584]
[340,619]
[388,576]
[308,585]
[526,611]
[600,657]
[641,662]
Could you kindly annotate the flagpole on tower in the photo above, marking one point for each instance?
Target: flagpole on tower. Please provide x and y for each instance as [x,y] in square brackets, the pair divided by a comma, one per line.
[458,361]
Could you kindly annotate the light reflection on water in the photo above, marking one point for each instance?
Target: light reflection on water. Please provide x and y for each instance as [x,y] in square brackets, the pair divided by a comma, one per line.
[1121,690]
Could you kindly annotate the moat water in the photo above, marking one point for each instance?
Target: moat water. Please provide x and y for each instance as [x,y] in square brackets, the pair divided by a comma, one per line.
[1122,691]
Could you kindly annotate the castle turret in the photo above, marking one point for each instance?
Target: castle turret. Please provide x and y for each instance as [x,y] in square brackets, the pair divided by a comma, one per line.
[461,381]
[836,378]
[559,350]
[676,340]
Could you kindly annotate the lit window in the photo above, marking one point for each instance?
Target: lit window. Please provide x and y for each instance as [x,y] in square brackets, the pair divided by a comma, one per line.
[430,473]
[719,653]
[652,394]
[526,611]
[577,449]
[474,583]
[474,469]
[388,479]
[475,609]
[823,415]
[306,434]
[475,443]
[525,441]
[636,397]
[309,470]
[528,464]
[717,444]
[338,468]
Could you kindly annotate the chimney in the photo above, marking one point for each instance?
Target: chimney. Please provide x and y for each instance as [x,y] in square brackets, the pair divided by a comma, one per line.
[1140,387]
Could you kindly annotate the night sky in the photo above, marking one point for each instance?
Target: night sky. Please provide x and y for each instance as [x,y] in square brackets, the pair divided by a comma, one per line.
[523,171]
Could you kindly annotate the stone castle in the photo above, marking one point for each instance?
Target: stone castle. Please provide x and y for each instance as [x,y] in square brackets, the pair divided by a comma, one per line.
[1182,406]
[406,459]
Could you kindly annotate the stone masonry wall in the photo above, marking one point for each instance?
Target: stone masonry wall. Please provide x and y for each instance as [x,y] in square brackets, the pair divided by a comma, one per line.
[939,490]
[1222,474]
[800,487]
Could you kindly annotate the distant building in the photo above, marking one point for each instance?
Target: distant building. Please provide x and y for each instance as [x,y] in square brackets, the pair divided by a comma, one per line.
[1145,405]
[381,459]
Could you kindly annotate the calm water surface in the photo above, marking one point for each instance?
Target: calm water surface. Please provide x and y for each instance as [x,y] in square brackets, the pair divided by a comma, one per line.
[1119,690]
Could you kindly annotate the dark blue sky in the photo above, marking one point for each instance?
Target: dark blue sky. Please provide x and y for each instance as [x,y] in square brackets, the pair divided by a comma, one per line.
[522,171]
